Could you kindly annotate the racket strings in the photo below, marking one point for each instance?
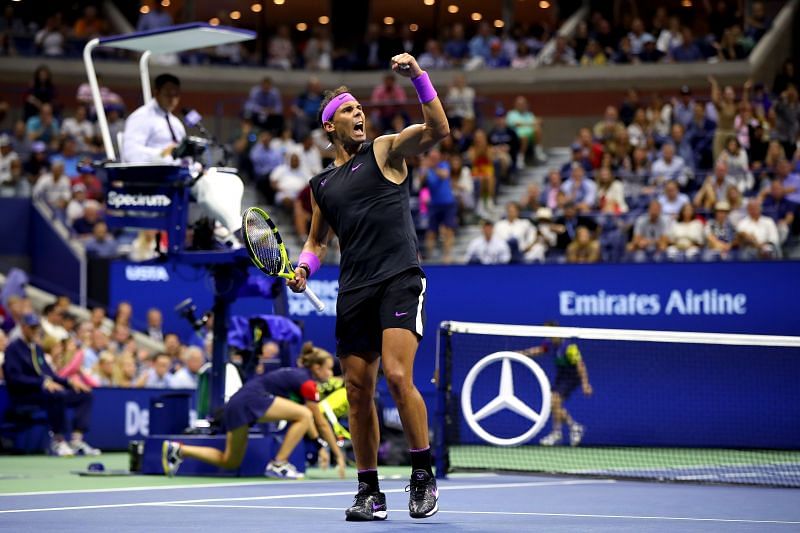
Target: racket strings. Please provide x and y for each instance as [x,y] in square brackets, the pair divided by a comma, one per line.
[264,244]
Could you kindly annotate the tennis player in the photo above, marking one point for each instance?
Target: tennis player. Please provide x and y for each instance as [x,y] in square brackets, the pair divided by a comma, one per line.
[269,397]
[570,372]
[362,197]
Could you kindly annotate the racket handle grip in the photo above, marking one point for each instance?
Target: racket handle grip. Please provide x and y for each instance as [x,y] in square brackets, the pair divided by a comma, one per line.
[318,304]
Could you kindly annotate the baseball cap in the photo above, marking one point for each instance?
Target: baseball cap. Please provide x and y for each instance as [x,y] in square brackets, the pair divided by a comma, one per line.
[30,319]
[5,140]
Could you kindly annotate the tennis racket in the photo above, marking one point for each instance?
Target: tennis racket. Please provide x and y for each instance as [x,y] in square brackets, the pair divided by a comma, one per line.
[267,251]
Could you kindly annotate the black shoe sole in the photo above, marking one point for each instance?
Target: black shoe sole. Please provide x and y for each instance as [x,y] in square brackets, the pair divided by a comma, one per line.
[426,515]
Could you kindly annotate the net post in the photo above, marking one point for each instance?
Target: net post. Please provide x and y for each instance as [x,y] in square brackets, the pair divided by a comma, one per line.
[443,387]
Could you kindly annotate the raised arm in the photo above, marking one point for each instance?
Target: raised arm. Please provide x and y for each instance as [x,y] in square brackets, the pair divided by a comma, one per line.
[715,92]
[390,150]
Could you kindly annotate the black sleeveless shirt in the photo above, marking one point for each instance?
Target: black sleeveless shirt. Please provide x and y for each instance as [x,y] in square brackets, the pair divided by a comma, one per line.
[371,217]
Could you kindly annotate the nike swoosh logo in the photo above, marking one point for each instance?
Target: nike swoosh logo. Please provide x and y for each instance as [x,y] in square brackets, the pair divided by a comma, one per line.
[356,167]
[400,314]
[323,182]
[376,506]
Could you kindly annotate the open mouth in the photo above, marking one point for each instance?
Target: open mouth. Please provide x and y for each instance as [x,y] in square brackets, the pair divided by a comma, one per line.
[359,127]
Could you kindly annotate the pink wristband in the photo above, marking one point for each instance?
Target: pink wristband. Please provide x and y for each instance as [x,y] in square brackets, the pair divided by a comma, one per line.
[424,87]
[311,260]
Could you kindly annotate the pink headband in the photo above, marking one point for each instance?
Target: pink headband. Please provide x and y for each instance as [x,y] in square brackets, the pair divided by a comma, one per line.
[334,104]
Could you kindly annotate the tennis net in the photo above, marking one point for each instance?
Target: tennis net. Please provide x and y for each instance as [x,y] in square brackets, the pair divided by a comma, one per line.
[672,406]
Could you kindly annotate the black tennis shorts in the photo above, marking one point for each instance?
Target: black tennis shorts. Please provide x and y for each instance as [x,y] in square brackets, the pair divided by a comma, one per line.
[567,380]
[362,314]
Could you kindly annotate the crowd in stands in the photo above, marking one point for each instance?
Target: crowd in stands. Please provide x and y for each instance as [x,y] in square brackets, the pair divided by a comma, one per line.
[672,35]
[666,179]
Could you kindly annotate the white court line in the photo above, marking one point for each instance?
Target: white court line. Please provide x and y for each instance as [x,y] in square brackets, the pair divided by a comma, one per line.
[265,482]
[509,513]
[306,495]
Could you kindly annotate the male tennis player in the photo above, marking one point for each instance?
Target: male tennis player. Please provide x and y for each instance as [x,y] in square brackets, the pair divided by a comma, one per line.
[362,197]
[570,372]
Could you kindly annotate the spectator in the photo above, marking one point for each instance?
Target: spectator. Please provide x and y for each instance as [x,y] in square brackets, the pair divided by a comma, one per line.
[518,233]
[480,46]
[738,164]
[700,134]
[44,126]
[686,235]
[101,244]
[527,128]
[683,107]
[606,129]
[725,105]
[670,37]
[584,249]
[778,208]
[757,24]
[264,106]
[89,25]
[79,128]
[683,147]
[649,53]
[123,314]
[566,226]
[154,19]
[158,375]
[7,156]
[688,50]
[531,201]
[505,142]
[155,324]
[580,190]
[186,377]
[145,246]
[787,76]
[456,48]
[50,39]
[52,323]
[551,190]
[433,58]
[287,180]
[624,54]
[715,188]
[68,155]
[481,158]
[460,101]
[264,160]
[672,200]
[97,318]
[109,98]
[463,185]
[560,54]
[318,51]
[388,99]
[638,35]
[787,119]
[126,371]
[497,57]
[42,91]
[649,235]
[306,107]
[789,180]
[19,184]
[54,187]
[487,249]
[310,156]
[20,142]
[32,381]
[738,211]
[103,372]
[593,55]
[639,129]
[525,58]
[610,193]
[281,50]
[758,235]
[669,167]
[720,234]
[90,216]
[443,209]
[172,347]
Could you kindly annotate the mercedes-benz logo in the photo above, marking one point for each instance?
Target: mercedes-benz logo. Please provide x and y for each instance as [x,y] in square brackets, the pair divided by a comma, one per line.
[505,398]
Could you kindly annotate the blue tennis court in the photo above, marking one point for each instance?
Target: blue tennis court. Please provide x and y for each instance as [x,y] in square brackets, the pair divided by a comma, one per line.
[468,503]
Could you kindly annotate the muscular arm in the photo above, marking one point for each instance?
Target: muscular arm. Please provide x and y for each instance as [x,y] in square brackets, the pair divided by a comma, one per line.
[391,150]
[317,244]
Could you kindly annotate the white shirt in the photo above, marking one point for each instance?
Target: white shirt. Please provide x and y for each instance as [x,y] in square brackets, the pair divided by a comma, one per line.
[674,170]
[79,130]
[146,135]
[521,229]
[461,102]
[75,210]
[493,252]
[670,208]
[183,379]
[687,234]
[53,190]
[5,166]
[764,229]
[311,160]
[288,181]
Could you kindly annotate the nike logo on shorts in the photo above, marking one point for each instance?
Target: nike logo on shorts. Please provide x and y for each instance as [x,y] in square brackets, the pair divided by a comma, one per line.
[356,167]
[400,314]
